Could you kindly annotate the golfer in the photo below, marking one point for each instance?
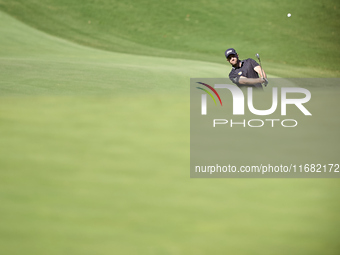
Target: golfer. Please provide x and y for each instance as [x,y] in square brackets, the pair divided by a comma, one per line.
[245,73]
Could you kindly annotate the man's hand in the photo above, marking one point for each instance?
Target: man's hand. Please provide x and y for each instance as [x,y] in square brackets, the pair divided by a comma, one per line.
[264,82]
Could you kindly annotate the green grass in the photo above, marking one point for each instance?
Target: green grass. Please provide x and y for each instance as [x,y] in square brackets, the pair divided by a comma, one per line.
[94,155]
[200,30]
[80,177]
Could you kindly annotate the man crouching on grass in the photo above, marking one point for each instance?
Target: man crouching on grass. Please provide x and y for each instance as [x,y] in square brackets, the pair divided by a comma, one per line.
[245,73]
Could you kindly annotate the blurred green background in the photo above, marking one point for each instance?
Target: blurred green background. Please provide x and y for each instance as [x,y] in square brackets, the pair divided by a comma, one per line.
[94,123]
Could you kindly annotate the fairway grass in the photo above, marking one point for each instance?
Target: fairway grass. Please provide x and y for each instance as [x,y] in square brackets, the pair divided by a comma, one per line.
[94,159]
[80,177]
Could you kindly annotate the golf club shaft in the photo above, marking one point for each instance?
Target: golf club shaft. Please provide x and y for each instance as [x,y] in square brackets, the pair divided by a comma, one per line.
[261,68]
[258,57]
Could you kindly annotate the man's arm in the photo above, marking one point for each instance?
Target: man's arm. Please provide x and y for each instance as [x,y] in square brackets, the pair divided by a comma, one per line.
[259,70]
[250,81]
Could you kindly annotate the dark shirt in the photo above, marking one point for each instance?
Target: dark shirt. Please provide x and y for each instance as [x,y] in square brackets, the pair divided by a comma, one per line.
[246,70]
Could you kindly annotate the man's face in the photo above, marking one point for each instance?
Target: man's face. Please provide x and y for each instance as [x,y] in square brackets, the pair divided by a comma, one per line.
[232,59]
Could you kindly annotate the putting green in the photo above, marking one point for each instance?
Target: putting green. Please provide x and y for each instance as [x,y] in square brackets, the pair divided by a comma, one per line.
[199,30]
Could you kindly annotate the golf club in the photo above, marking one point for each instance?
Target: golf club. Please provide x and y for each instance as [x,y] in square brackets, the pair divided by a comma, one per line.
[258,57]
